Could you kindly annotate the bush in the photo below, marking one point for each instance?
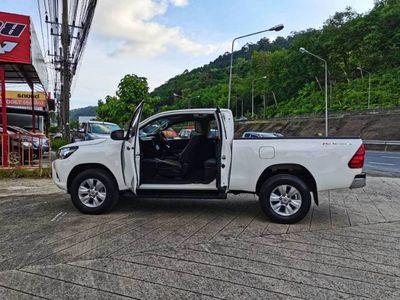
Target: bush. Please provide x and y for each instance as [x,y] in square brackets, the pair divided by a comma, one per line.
[58,143]
[53,129]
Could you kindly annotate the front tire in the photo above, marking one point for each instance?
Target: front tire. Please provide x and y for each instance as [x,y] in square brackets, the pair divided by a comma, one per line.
[285,198]
[94,191]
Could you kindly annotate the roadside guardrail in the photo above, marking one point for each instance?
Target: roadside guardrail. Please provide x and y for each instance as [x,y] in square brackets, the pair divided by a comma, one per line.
[383,143]
[380,142]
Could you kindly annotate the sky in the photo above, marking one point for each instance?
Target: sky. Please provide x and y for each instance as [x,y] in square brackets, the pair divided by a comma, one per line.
[159,39]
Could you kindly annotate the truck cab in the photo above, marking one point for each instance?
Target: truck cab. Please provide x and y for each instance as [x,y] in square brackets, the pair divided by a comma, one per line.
[162,161]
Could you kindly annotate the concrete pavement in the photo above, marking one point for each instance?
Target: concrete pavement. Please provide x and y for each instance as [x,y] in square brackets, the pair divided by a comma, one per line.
[348,247]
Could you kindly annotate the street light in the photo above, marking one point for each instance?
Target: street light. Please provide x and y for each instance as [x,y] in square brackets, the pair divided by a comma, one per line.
[369,82]
[303,50]
[176,95]
[188,99]
[252,95]
[275,28]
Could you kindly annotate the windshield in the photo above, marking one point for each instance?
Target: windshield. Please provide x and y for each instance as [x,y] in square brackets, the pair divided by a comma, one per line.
[153,127]
[99,128]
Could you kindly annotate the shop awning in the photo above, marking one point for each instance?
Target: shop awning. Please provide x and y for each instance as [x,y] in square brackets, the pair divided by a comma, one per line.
[20,52]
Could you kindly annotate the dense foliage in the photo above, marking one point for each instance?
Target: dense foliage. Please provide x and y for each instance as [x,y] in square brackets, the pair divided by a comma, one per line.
[347,41]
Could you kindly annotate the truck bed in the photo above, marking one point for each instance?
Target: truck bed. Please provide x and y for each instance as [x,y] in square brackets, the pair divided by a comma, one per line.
[326,158]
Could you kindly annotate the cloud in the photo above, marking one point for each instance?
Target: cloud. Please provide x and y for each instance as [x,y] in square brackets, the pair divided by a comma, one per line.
[130,28]
[180,2]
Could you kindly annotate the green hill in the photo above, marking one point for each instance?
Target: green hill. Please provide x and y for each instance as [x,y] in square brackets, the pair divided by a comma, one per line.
[347,40]
[83,111]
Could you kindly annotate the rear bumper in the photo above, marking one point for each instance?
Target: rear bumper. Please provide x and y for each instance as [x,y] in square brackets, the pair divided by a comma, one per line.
[359,181]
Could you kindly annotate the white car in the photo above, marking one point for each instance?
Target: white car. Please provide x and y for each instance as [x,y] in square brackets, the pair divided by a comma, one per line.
[286,173]
[93,130]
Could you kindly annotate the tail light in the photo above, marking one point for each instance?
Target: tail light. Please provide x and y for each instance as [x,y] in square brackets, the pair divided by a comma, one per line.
[357,162]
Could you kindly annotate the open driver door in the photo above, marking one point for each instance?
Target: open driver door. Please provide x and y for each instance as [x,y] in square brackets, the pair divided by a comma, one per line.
[130,151]
[225,126]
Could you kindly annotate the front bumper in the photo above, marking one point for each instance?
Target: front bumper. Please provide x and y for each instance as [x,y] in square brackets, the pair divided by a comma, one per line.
[57,177]
[359,181]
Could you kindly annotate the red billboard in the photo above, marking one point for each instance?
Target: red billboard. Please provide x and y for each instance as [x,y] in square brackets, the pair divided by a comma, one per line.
[14,38]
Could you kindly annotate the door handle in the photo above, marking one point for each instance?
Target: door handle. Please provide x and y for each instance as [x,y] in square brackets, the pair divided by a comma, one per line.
[223,157]
[128,148]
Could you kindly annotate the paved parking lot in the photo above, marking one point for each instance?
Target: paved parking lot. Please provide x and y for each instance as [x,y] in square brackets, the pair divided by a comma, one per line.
[348,247]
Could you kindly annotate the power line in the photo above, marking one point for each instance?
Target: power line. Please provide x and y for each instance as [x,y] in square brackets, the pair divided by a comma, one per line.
[68,24]
[41,26]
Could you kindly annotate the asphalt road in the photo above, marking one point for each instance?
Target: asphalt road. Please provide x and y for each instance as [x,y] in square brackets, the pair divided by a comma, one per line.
[382,163]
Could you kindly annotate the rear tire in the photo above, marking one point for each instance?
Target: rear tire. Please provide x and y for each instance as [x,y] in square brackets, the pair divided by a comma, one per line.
[94,191]
[285,198]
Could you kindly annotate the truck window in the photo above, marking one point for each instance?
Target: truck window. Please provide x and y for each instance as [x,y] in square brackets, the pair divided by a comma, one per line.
[183,130]
[213,130]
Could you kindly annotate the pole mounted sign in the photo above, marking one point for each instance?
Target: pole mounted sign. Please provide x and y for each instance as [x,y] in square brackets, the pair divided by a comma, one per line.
[15,38]
[24,98]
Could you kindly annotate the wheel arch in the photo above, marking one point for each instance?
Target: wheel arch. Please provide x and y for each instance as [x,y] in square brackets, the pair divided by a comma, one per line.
[292,169]
[83,167]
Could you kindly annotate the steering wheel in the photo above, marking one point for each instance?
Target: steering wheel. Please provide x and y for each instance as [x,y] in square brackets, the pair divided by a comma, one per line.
[164,142]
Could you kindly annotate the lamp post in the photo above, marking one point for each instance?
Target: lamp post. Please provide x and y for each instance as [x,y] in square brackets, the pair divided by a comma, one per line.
[275,28]
[178,96]
[188,99]
[264,106]
[369,83]
[303,50]
[252,94]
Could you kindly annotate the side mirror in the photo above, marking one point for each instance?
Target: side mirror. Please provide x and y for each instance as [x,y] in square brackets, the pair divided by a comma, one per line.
[118,135]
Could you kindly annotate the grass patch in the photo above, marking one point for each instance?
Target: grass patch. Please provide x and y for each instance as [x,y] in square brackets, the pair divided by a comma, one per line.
[25,173]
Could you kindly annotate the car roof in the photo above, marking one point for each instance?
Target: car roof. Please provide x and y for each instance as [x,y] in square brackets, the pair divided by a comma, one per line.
[101,122]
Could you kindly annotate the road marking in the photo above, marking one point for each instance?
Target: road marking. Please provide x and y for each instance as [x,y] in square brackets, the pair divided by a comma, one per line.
[379,163]
[58,216]
[395,157]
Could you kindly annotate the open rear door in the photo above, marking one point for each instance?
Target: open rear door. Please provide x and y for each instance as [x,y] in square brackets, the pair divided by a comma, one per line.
[130,151]
[225,125]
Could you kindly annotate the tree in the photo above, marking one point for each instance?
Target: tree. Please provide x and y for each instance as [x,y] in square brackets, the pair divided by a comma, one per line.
[131,91]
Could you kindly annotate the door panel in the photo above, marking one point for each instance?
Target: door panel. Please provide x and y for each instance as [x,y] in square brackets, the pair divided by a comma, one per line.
[131,151]
[225,124]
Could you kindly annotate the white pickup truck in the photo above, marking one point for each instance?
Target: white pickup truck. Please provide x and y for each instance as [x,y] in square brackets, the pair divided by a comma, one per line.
[151,160]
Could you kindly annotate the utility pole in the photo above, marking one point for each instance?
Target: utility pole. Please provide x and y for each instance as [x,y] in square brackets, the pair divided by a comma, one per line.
[65,71]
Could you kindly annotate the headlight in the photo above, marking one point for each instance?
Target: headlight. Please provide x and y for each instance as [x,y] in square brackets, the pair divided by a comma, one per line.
[66,152]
